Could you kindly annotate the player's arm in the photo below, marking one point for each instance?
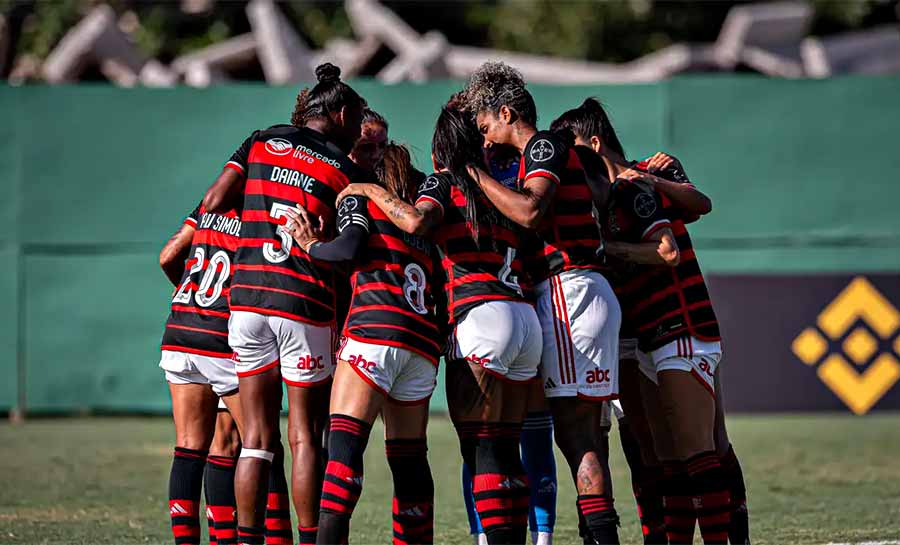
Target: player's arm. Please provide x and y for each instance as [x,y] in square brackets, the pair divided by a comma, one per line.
[418,219]
[226,192]
[526,207]
[176,251]
[672,181]
[659,248]
[352,237]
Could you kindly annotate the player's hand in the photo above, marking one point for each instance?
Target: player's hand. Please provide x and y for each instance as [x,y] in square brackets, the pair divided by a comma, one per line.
[662,161]
[302,228]
[361,190]
[645,181]
[476,172]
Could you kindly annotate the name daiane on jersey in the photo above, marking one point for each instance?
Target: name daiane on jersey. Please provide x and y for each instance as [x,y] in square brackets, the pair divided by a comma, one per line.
[229,226]
[292,177]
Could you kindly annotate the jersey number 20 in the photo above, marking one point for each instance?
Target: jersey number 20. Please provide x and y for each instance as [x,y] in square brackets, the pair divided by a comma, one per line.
[210,286]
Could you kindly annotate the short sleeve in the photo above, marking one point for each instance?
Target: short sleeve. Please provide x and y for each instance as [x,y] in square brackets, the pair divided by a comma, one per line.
[648,210]
[546,156]
[353,210]
[194,217]
[674,173]
[240,157]
[434,189]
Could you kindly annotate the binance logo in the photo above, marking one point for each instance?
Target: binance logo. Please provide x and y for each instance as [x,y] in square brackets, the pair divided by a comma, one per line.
[873,368]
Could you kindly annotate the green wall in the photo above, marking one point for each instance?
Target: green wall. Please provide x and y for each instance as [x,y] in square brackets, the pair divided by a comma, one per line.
[804,175]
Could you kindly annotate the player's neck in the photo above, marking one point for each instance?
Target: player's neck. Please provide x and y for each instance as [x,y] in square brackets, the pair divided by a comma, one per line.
[522,134]
[615,164]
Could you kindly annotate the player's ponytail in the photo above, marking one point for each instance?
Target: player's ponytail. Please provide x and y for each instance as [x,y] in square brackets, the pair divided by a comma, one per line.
[455,146]
[589,119]
[395,171]
[328,96]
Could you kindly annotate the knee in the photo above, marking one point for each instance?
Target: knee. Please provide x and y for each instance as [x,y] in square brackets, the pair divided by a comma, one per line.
[194,440]
[300,439]
[258,435]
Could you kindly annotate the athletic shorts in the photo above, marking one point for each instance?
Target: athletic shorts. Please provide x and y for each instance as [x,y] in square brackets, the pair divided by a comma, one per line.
[401,375]
[699,358]
[504,337]
[185,368]
[580,319]
[260,342]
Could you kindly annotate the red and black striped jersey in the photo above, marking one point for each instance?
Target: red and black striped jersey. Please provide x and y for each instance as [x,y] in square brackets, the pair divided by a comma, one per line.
[568,237]
[671,302]
[285,166]
[198,322]
[475,272]
[634,212]
[392,284]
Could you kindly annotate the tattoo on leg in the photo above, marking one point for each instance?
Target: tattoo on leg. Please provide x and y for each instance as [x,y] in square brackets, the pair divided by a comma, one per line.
[590,475]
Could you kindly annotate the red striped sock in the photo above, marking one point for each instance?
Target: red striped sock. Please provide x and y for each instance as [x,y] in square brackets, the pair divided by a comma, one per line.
[220,504]
[600,519]
[678,504]
[712,500]
[251,536]
[278,519]
[185,487]
[413,505]
[343,482]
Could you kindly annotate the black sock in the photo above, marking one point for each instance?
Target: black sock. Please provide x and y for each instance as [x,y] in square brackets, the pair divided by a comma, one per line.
[413,506]
[739,529]
[185,486]
[600,518]
[343,478]
[251,536]
[678,504]
[220,502]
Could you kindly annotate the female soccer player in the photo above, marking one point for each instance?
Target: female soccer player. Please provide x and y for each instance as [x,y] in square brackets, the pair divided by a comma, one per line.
[282,303]
[197,362]
[388,361]
[496,343]
[578,311]
[678,334]
[537,428]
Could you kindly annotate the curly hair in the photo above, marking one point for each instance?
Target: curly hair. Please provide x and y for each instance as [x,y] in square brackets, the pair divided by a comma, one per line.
[329,95]
[497,84]
[373,117]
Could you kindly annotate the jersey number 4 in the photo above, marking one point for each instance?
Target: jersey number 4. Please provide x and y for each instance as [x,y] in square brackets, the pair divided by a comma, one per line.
[506,276]
[210,286]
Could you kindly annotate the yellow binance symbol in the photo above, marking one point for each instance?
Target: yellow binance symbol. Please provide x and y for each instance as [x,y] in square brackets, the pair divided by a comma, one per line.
[859,301]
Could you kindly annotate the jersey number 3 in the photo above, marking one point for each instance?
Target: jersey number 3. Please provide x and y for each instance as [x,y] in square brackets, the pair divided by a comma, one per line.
[279,254]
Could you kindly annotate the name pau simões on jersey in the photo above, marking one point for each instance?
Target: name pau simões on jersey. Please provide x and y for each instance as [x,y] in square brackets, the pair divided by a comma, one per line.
[198,322]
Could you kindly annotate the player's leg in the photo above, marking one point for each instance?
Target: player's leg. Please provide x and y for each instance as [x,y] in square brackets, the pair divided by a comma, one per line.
[739,528]
[354,406]
[257,365]
[587,455]
[194,412]
[406,447]
[637,444]
[488,400]
[689,405]
[219,478]
[580,319]
[540,465]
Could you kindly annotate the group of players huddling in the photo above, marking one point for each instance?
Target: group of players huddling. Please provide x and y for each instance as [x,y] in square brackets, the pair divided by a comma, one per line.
[555,277]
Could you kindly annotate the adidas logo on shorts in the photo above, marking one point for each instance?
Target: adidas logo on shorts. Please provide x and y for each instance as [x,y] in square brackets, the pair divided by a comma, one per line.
[549,383]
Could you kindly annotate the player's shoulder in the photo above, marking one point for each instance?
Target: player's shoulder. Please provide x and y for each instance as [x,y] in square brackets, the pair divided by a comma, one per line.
[434,181]
[544,146]
[353,204]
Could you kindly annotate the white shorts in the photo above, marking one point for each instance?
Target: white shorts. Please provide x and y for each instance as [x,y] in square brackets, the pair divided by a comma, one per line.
[261,342]
[580,319]
[699,358]
[186,368]
[504,337]
[401,375]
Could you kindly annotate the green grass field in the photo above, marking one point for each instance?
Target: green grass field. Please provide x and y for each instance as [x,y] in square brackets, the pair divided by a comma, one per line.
[811,479]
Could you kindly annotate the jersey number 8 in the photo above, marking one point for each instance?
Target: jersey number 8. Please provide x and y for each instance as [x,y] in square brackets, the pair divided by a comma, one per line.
[414,287]
[210,286]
